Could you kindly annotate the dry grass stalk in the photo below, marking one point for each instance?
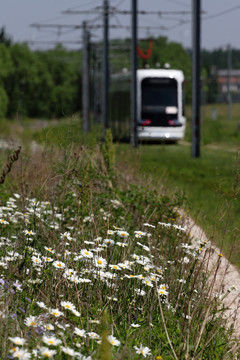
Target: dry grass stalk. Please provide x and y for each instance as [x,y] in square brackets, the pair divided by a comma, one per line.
[8,165]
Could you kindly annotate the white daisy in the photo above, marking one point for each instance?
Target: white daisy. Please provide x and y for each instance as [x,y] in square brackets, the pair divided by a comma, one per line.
[113,340]
[44,351]
[51,340]
[56,312]
[17,340]
[143,350]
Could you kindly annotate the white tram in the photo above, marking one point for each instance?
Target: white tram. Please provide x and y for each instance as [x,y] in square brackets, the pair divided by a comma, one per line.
[160,104]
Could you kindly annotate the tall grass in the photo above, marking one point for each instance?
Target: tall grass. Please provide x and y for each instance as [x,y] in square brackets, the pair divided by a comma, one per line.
[94,267]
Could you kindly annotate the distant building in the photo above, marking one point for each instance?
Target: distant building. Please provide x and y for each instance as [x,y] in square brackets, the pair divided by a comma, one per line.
[223,79]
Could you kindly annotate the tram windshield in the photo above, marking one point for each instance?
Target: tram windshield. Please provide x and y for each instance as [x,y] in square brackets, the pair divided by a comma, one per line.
[158,93]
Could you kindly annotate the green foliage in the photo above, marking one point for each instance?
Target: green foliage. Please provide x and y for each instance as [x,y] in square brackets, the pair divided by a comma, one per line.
[108,152]
[40,83]
[3,103]
[83,212]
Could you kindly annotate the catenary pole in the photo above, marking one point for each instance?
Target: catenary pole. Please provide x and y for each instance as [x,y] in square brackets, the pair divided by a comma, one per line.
[105,100]
[85,81]
[229,95]
[134,140]
[196,85]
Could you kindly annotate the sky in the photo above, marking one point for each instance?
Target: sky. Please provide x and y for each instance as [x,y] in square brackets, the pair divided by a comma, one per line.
[220,21]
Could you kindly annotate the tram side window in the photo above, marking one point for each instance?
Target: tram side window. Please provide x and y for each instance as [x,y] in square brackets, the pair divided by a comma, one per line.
[183,99]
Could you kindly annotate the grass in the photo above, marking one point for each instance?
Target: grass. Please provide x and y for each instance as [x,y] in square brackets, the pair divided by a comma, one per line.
[210,185]
[94,266]
[222,131]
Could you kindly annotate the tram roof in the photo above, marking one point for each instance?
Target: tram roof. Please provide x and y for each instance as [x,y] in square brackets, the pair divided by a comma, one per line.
[142,73]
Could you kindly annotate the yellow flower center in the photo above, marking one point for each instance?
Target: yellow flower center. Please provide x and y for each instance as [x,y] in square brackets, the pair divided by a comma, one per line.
[32,323]
[50,342]
[99,262]
[67,306]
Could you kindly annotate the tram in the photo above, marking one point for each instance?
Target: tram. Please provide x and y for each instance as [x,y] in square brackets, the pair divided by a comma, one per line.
[160,105]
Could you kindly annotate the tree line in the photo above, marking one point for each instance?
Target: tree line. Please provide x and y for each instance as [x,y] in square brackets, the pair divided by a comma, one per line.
[48,83]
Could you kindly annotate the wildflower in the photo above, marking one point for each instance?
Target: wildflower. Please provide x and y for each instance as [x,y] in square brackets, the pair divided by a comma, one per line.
[31,321]
[68,351]
[140,292]
[47,259]
[115,203]
[76,313]
[139,233]
[36,260]
[93,335]
[162,291]
[149,225]
[113,340]
[110,232]
[220,255]
[100,262]
[44,351]
[17,340]
[49,327]
[135,325]
[109,242]
[49,249]
[75,279]
[148,282]
[80,332]
[68,305]
[186,260]
[30,232]
[115,267]
[123,234]
[59,265]
[55,312]
[4,222]
[51,340]
[145,351]
[21,354]
[18,285]
[121,244]
[87,254]
[69,272]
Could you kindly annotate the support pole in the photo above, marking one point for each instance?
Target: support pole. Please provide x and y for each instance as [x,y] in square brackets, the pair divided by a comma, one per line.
[229,96]
[134,140]
[85,81]
[196,85]
[105,101]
